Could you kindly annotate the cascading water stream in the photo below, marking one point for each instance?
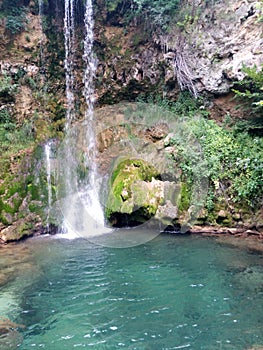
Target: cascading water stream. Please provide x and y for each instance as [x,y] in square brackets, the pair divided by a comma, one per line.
[91,194]
[83,215]
[40,11]
[48,177]
[69,36]
[67,161]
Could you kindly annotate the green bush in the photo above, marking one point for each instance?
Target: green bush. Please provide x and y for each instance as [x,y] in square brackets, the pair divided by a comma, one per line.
[233,162]
[7,88]
[5,116]
[250,90]
[15,14]
[154,13]
[230,158]
[158,13]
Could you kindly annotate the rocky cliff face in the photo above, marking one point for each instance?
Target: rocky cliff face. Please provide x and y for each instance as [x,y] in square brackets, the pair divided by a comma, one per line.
[203,52]
[226,36]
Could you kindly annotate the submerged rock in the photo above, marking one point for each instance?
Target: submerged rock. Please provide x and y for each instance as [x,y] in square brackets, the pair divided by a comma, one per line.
[10,337]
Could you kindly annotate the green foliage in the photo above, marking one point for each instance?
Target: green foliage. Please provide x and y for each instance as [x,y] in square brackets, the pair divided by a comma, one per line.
[233,162]
[153,13]
[13,138]
[15,22]
[15,15]
[112,5]
[185,105]
[7,88]
[157,12]
[250,89]
[259,6]
[230,158]
[5,116]
[185,195]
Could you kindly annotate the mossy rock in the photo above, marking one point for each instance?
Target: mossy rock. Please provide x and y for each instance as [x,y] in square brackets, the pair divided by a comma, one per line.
[20,229]
[24,197]
[131,193]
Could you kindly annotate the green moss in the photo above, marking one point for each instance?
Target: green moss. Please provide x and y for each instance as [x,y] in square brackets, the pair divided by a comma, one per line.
[4,220]
[185,197]
[129,171]
[24,229]
[123,184]
[36,207]
[144,170]
[16,187]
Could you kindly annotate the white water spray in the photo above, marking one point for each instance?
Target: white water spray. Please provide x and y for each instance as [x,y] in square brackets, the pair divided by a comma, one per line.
[48,177]
[40,12]
[83,215]
[91,196]
[69,36]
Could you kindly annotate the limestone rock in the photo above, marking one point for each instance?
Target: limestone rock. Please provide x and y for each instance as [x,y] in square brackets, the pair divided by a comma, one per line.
[10,337]
[167,213]
[136,195]
[234,39]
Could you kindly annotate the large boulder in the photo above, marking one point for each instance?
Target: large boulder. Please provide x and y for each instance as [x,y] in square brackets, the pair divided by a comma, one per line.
[138,194]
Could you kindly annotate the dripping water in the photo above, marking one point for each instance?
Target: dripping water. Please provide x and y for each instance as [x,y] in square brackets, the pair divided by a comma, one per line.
[91,196]
[80,205]
[68,164]
[40,11]
[48,178]
[69,37]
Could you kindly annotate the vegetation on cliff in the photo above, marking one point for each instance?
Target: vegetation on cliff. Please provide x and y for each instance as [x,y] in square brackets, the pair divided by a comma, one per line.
[249,92]
[142,50]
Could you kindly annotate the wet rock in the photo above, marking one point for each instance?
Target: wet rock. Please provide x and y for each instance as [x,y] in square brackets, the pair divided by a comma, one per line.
[167,213]
[10,337]
[222,214]
[158,131]
[21,228]
[137,195]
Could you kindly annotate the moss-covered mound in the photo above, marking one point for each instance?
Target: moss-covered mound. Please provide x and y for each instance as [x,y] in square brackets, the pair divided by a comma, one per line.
[134,193]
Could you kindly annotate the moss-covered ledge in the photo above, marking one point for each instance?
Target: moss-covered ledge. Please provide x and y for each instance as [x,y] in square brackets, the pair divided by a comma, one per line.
[24,196]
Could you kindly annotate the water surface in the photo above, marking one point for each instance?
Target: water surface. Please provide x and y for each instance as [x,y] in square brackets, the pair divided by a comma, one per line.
[173,292]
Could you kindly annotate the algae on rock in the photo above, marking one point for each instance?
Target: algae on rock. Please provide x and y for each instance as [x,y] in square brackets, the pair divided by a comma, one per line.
[137,194]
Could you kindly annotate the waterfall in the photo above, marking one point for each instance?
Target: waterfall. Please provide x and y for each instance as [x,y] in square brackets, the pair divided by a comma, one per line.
[47,151]
[91,196]
[40,12]
[80,205]
[69,36]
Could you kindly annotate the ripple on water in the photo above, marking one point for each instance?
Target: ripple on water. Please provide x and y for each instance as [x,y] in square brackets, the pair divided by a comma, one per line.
[171,293]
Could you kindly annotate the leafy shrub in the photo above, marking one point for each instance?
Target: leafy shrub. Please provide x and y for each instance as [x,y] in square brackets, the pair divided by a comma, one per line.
[233,163]
[250,89]
[5,116]
[15,14]
[231,159]
[156,12]
[7,88]
[13,138]
[185,105]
